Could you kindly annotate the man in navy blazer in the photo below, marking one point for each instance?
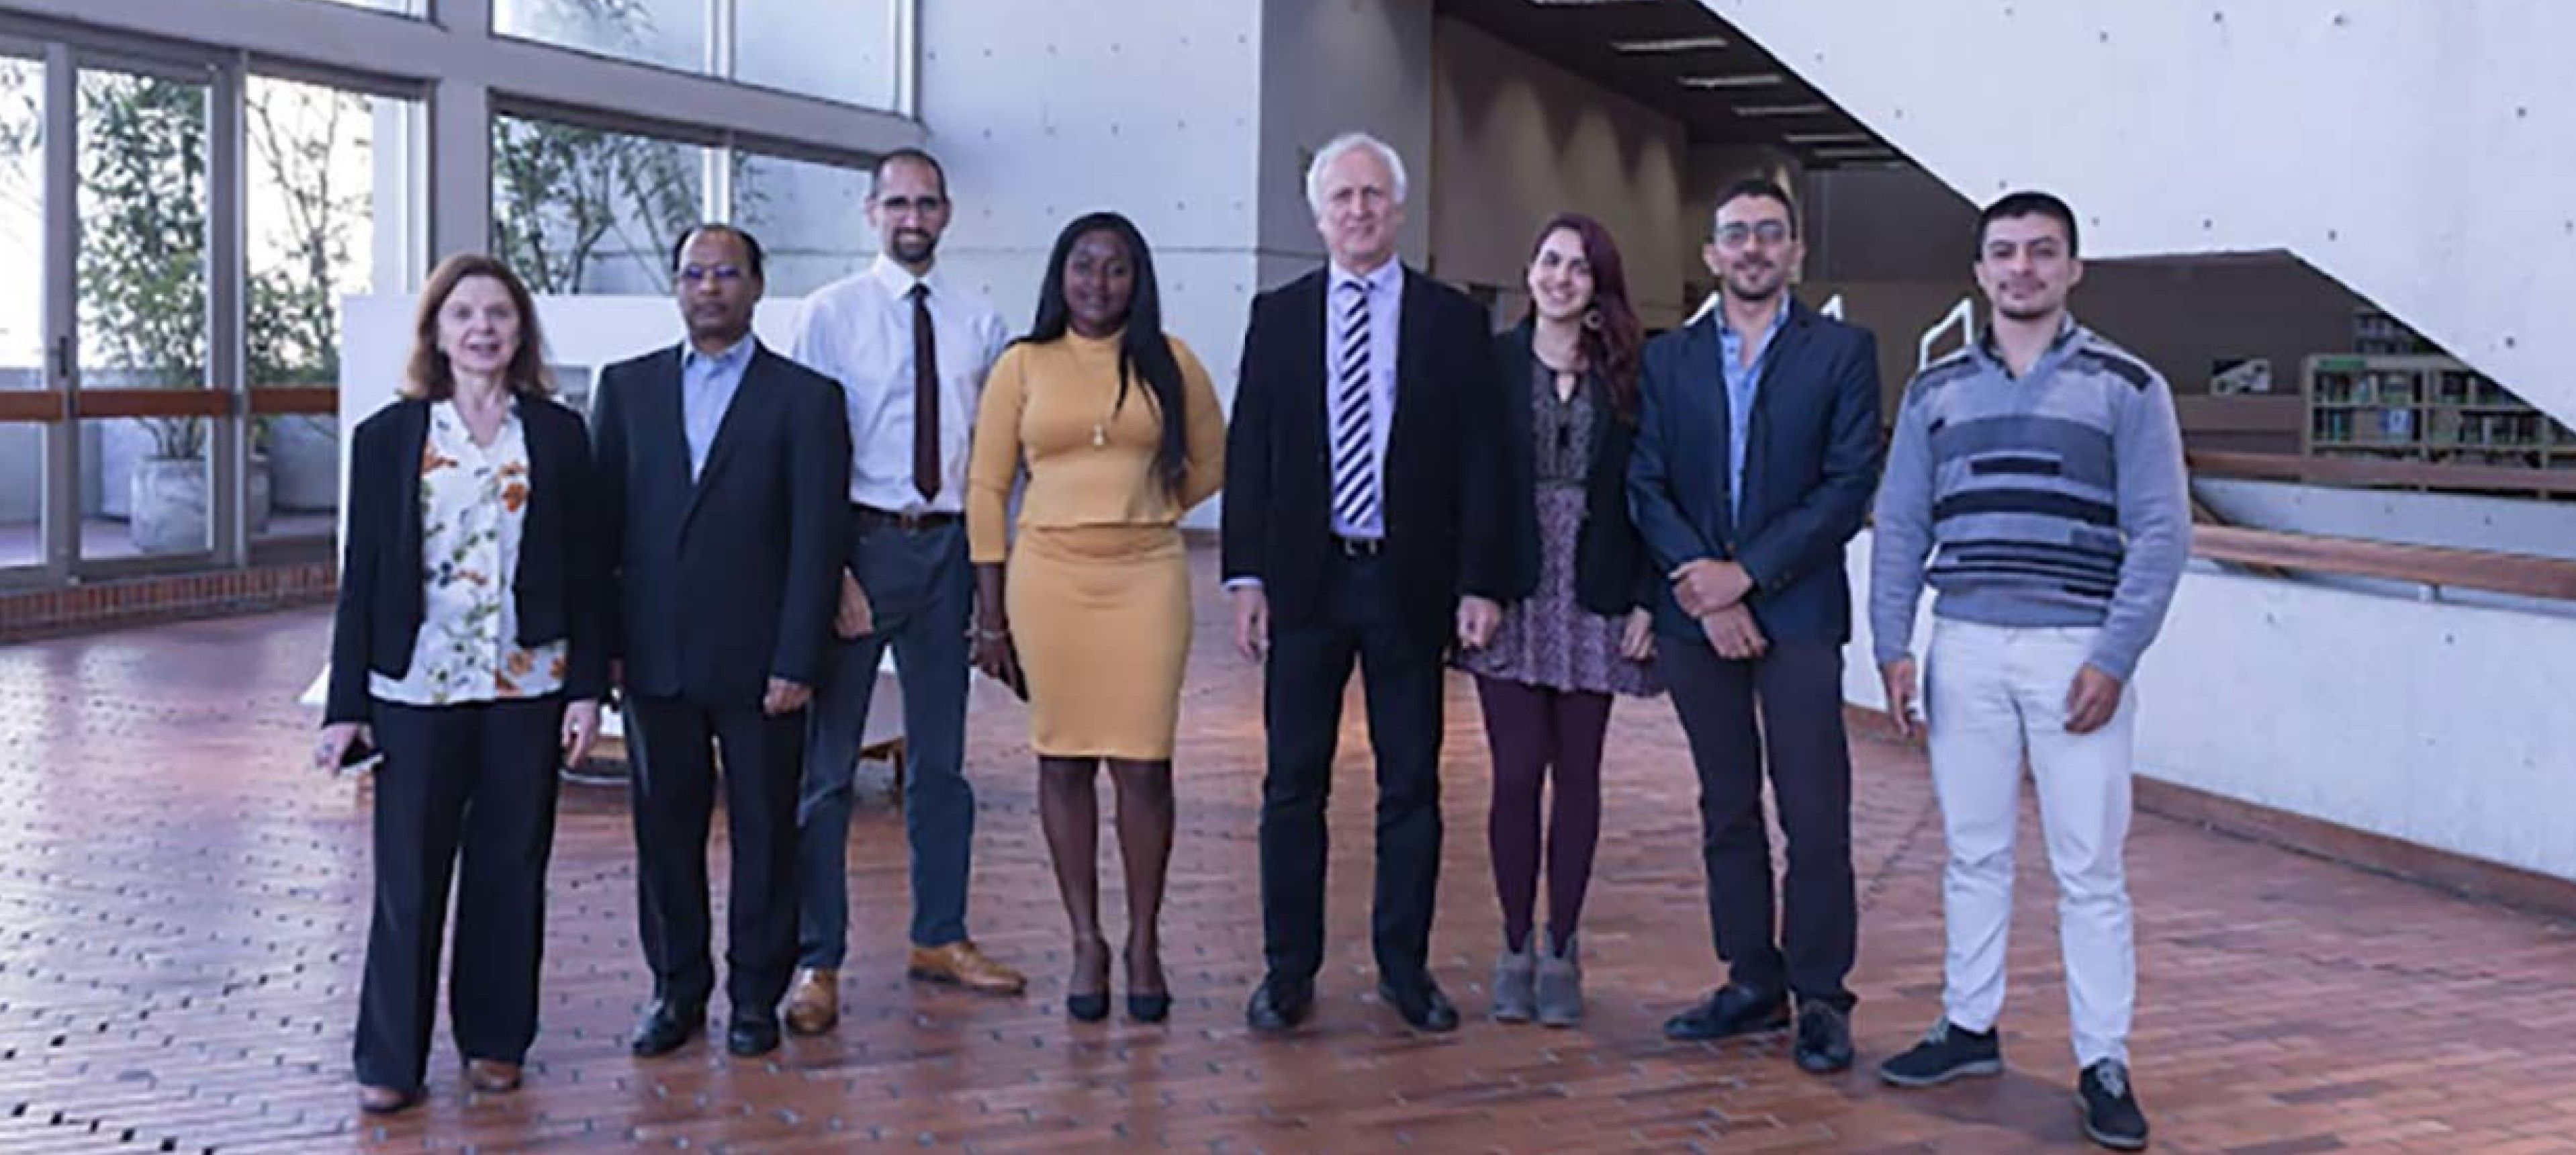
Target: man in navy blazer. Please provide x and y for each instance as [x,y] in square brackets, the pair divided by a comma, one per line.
[723,473]
[1755,460]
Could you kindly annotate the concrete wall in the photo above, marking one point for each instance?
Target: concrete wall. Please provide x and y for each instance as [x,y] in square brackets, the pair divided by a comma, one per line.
[1517,140]
[2414,151]
[2378,713]
[1327,67]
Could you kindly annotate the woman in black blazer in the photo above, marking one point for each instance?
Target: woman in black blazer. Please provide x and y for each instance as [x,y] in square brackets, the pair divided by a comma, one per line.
[470,643]
[1575,631]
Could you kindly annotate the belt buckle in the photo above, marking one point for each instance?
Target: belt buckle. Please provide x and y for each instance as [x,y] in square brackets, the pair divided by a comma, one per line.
[1359,547]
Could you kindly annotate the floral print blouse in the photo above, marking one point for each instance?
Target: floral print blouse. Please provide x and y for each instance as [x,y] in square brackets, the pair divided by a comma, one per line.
[473,509]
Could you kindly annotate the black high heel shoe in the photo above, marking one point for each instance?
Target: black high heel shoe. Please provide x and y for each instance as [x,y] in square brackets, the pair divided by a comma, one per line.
[1092,1007]
[1148,1008]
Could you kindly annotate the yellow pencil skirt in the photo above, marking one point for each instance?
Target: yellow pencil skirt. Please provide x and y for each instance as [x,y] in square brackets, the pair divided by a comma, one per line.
[1101,616]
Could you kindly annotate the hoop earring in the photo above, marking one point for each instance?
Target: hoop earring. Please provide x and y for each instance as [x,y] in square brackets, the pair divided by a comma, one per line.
[1592,319]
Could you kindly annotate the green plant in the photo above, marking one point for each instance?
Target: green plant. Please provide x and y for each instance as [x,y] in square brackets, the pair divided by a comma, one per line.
[143,239]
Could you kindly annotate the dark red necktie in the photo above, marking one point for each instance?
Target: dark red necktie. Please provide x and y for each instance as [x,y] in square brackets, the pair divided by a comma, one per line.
[925,397]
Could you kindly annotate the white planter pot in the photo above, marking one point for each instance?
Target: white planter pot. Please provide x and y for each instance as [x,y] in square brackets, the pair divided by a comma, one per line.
[167,500]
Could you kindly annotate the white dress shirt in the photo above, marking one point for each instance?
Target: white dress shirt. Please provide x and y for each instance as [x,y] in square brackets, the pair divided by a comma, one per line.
[858,331]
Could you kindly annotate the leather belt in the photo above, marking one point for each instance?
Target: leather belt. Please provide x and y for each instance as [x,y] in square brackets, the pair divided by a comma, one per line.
[870,517]
[1359,546]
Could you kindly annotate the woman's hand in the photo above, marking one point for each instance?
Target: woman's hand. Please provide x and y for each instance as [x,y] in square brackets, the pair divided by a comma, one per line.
[995,656]
[1637,638]
[335,742]
[580,730]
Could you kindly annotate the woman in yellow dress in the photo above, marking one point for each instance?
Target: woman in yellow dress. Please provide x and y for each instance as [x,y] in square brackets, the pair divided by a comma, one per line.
[1086,609]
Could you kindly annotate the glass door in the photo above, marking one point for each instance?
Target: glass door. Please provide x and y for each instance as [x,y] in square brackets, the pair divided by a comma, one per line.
[33,536]
[154,434]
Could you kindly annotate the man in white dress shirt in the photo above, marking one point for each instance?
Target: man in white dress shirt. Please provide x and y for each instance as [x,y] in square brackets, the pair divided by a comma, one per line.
[910,349]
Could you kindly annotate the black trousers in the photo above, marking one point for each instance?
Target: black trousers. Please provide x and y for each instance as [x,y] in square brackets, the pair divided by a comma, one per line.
[1309,668]
[1796,689]
[674,744]
[473,784]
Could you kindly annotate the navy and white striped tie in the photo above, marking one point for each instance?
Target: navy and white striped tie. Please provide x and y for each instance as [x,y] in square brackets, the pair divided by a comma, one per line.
[1355,474]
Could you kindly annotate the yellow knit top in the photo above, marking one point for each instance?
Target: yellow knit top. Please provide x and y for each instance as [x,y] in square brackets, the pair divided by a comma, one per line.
[1053,408]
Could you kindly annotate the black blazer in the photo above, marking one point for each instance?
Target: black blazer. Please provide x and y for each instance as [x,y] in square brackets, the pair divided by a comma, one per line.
[1444,473]
[1611,573]
[728,581]
[560,588]
[1809,470]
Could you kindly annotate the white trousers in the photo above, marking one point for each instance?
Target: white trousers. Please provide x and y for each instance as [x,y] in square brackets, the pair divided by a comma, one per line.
[1994,694]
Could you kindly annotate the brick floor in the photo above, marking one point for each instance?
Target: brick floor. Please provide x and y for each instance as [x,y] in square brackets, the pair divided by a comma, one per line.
[182,906]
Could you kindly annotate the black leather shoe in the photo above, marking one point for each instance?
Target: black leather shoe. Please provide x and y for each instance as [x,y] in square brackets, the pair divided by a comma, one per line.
[1278,1005]
[666,1027]
[1420,1002]
[1824,1039]
[1730,1011]
[750,1035]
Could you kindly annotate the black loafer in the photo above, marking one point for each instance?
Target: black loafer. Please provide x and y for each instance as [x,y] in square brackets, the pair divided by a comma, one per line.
[1824,1039]
[1278,1005]
[1423,1006]
[1730,1011]
[666,1027]
[751,1035]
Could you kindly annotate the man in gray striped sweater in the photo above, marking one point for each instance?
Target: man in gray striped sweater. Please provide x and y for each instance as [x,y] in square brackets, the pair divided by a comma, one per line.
[2040,473]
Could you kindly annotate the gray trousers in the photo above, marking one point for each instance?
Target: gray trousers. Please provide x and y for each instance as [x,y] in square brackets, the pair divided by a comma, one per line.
[922,591]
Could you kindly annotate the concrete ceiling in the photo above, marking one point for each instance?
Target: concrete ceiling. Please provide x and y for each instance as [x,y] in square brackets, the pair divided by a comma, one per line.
[1678,58]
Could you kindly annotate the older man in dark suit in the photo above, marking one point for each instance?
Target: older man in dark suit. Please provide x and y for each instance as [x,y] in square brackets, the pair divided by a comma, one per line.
[1361,525]
[723,467]
[1755,459]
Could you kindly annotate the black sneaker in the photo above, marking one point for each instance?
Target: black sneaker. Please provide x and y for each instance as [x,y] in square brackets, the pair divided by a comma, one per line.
[1946,1053]
[2110,1108]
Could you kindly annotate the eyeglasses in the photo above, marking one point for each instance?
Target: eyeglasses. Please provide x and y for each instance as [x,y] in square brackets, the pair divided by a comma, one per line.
[725,274]
[1768,232]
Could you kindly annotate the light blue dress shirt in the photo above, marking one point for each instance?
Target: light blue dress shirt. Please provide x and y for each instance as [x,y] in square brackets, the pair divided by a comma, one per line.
[707,385]
[1743,387]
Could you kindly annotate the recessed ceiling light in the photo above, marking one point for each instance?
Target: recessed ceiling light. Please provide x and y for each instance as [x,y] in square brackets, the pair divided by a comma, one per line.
[1810,109]
[1670,44]
[1733,80]
[1872,152]
[1826,137]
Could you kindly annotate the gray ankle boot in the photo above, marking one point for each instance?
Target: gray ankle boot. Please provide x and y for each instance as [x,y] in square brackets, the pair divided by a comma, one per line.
[1560,983]
[1514,1000]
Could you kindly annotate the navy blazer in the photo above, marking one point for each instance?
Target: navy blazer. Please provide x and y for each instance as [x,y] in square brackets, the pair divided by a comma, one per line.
[1809,470]
[559,589]
[729,580]
[1444,471]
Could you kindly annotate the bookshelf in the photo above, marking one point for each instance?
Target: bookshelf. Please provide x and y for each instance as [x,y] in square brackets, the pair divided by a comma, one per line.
[2424,407]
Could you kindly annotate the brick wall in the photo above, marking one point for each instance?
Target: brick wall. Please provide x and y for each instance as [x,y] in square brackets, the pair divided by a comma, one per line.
[136,601]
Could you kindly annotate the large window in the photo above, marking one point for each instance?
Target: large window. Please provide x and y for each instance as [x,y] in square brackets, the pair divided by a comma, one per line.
[849,51]
[811,219]
[856,64]
[671,33]
[319,165]
[23,449]
[585,210]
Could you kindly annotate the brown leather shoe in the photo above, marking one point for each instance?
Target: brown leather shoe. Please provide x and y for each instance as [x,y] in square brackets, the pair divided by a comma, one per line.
[386,1100]
[814,1003]
[961,964]
[491,1075]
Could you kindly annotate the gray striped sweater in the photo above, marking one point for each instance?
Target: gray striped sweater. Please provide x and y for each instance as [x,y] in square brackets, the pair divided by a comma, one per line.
[2052,499]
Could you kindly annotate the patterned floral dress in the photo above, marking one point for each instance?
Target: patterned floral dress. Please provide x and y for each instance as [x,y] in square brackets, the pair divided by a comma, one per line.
[1549,639]
[473,510]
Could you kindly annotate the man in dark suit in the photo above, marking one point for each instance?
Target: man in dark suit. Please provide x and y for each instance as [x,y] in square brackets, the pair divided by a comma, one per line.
[1362,501]
[1754,463]
[722,468]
